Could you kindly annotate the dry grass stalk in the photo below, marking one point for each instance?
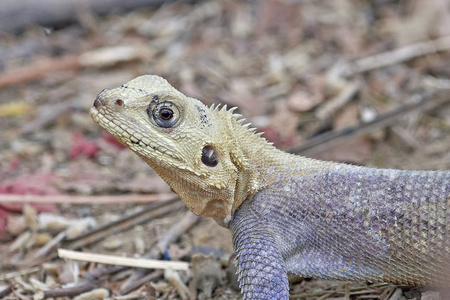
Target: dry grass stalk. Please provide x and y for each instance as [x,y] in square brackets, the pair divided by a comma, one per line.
[123,261]
[67,199]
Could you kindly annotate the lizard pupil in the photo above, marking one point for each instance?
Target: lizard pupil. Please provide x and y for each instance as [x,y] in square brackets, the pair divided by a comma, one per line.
[209,156]
[166,114]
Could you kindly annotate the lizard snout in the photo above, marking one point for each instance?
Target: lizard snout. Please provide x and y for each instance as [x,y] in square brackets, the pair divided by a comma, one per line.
[97,103]
[103,99]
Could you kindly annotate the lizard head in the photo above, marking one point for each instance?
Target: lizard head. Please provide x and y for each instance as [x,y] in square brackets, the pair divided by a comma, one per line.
[194,148]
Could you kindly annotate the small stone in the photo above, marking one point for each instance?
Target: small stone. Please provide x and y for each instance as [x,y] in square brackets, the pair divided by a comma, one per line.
[16,225]
[41,239]
[207,273]
[301,101]
[112,243]
[94,294]
[431,295]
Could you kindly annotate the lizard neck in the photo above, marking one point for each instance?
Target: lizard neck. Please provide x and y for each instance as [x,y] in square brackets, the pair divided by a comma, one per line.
[258,163]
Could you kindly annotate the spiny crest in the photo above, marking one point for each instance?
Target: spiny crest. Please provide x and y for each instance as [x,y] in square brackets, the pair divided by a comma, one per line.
[215,107]
[239,119]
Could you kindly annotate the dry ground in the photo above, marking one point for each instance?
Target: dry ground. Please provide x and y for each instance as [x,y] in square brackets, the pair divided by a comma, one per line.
[298,70]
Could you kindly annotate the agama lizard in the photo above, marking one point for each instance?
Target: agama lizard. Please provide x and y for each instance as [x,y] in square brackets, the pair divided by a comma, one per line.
[288,214]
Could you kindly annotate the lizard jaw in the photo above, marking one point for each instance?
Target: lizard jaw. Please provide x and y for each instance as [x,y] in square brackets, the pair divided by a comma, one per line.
[137,142]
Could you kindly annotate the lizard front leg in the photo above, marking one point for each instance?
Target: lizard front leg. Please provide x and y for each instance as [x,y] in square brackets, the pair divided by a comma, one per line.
[261,268]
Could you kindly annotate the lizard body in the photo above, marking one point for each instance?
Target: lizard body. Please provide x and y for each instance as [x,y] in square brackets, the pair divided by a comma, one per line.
[287,213]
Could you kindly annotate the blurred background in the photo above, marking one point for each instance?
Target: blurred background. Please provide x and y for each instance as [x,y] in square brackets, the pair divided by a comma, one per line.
[362,82]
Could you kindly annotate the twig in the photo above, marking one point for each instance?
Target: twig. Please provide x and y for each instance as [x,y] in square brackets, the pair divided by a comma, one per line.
[17,291]
[50,245]
[186,222]
[19,273]
[151,291]
[386,294]
[89,283]
[70,291]
[174,278]
[139,295]
[52,13]
[39,70]
[326,110]
[325,296]
[96,58]
[152,211]
[398,55]
[357,290]
[66,199]
[437,83]
[428,102]
[20,241]
[98,293]
[141,281]
[25,285]
[396,295]
[43,253]
[347,291]
[98,272]
[5,292]
[123,261]
[406,137]
[308,295]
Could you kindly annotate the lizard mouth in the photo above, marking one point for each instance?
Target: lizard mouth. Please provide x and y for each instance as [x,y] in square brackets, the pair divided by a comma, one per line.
[136,141]
[119,130]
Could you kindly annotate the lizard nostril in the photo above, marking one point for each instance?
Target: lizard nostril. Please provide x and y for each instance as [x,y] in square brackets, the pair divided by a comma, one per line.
[97,103]
[119,102]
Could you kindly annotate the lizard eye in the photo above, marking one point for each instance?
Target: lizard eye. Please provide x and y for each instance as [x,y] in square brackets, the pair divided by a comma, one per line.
[210,156]
[164,114]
